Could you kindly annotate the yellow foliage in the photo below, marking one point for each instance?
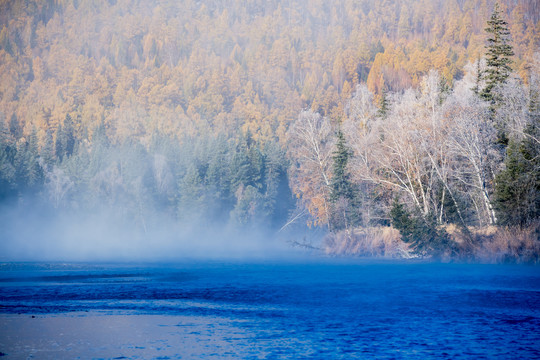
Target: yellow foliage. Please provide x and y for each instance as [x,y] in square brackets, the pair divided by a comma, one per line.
[240,66]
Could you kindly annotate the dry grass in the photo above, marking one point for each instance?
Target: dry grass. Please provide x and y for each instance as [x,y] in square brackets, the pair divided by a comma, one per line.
[370,242]
[494,244]
[510,244]
[490,244]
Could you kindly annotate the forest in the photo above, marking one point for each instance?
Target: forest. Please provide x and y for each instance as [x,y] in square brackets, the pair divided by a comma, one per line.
[395,128]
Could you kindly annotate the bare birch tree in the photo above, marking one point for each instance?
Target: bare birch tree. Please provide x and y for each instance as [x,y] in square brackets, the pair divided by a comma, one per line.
[471,144]
[310,147]
[162,174]
[512,114]
[58,185]
[361,113]
[392,156]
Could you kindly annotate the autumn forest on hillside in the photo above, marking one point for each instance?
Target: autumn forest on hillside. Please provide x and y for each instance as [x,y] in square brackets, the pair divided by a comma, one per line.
[395,128]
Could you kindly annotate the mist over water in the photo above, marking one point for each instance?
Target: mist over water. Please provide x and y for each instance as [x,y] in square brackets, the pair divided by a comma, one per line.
[32,234]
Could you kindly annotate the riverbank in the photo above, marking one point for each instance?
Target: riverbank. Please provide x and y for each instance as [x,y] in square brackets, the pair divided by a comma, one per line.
[489,244]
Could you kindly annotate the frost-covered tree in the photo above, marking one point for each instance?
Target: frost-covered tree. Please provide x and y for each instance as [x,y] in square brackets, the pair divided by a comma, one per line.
[475,158]
[310,147]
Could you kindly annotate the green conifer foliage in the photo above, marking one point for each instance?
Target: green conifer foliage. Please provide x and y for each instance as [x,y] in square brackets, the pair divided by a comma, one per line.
[69,134]
[344,194]
[15,127]
[384,105]
[7,169]
[192,195]
[65,139]
[498,55]
[59,146]
[47,153]
[478,78]
[517,189]
[420,232]
[29,173]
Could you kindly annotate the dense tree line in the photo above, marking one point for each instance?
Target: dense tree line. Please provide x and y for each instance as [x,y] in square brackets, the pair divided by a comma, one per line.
[193,67]
[235,182]
[191,111]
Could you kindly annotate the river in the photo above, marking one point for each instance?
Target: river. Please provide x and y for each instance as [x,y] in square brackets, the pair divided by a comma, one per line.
[324,309]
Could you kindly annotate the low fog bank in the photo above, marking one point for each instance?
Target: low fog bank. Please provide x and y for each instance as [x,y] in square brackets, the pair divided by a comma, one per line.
[37,234]
[166,199]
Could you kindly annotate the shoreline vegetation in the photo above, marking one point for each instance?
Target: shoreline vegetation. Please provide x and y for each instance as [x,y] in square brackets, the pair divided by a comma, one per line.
[490,244]
[401,129]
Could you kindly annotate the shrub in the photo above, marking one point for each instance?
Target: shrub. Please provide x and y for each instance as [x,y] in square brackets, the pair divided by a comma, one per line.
[421,233]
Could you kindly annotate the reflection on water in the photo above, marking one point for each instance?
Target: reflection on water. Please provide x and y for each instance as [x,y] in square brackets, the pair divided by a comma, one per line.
[329,310]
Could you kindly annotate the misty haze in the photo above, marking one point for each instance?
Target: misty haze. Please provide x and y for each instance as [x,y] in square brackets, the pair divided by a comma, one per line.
[269,179]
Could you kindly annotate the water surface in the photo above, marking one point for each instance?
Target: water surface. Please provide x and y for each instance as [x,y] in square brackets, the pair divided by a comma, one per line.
[309,310]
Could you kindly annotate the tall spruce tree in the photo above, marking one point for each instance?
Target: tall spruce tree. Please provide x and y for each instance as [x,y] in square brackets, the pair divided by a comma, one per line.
[7,170]
[498,55]
[29,174]
[48,151]
[59,145]
[344,194]
[69,132]
[15,127]
[65,139]
[477,89]
[384,105]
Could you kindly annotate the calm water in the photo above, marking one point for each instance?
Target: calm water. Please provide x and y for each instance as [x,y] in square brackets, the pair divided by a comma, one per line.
[319,311]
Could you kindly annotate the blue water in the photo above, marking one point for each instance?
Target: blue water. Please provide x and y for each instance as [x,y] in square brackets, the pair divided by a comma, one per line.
[311,310]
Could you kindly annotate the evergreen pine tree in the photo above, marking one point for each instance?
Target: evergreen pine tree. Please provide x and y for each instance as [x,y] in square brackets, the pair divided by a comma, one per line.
[47,153]
[192,204]
[247,167]
[59,145]
[15,127]
[517,190]
[217,177]
[421,232]
[256,161]
[28,171]
[343,195]
[384,106]
[444,90]
[498,55]
[241,171]
[478,79]
[534,102]
[7,170]
[69,134]
[99,135]
[35,174]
